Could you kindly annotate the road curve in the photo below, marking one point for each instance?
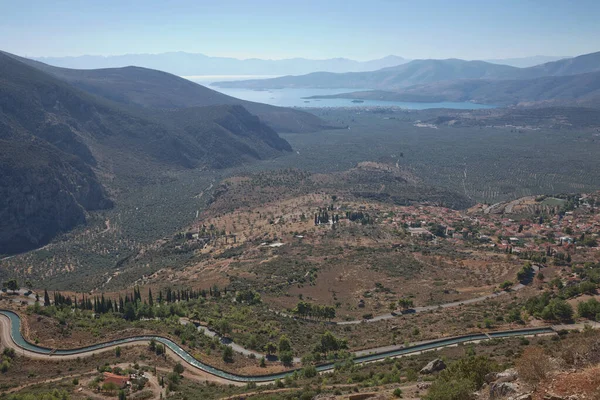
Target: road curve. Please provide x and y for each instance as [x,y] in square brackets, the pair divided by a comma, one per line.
[10,334]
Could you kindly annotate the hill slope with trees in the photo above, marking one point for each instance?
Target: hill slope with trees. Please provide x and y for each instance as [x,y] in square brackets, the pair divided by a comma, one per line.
[57,140]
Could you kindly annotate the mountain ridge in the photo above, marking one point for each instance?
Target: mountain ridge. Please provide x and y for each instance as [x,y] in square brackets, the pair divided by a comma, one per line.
[184,63]
[154,89]
[423,72]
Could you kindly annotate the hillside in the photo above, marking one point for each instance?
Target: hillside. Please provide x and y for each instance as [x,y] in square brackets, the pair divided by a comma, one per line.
[424,72]
[55,139]
[160,90]
[43,192]
[583,89]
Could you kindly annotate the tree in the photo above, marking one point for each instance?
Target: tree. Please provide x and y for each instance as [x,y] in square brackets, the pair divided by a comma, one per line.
[558,309]
[12,284]
[506,285]
[178,368]
[109,386]
[310,371]
[118,351]
[405,303]
[589,309]
[228,354]
[284,344]
[253,342]
[122,395]
[330,343]
[46,298]
[129,313]
[286,358]
[270,348]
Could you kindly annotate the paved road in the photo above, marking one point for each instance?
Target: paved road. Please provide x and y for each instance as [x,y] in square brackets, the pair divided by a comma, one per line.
[222,377]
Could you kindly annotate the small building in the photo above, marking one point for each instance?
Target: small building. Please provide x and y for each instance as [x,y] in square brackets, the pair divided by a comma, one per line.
[422,232]
[119,380]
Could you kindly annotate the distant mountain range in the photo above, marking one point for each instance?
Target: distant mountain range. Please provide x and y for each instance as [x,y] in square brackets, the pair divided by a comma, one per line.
[66,134]
[422,72]
[568,81]
[190,64]
[524,62]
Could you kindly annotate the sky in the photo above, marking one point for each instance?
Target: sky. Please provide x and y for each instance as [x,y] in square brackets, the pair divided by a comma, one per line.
[275,29]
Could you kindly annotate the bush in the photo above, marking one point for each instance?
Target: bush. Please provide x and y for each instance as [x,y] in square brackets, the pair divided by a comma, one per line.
[397,392]
[461,378]
[286,358]
[558,310]
[461,389]
[228,354]
[309,371]
[178,368]
[588,309]
[533,366]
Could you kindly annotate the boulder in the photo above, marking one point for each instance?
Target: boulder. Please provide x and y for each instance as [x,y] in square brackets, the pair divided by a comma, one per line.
[510,375]
[501,389]
[434,366]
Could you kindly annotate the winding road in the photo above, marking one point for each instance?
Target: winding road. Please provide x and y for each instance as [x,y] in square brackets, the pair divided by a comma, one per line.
[10,335]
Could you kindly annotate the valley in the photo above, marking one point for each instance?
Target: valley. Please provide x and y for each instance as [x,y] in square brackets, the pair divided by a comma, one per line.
[352,226]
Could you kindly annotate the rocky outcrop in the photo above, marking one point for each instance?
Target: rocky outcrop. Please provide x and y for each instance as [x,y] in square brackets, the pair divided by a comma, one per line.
[510,375]
[433,366]
[499,390]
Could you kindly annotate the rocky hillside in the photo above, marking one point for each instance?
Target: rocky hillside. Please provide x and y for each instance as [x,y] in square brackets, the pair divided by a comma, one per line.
[43,191]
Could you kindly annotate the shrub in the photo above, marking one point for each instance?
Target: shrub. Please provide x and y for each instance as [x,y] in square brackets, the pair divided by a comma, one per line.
[534,365]
[309,371]
[228,354]
[461,389]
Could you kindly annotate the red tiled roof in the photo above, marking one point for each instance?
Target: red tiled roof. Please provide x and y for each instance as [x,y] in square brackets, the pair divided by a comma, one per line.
[116,379]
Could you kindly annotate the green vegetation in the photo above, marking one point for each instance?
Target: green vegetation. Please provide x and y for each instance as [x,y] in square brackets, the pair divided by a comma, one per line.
[7,357]
[461,378]
[304,309]
[51,395]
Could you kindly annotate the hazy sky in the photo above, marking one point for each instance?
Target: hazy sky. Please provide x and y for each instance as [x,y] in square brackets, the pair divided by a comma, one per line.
[359,29]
